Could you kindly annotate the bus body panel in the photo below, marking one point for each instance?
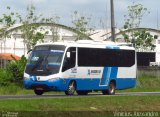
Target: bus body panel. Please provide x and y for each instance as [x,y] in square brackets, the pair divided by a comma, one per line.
[89,80]
[86,77]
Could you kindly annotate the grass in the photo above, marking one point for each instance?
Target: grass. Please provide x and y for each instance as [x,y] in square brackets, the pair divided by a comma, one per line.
[83,105]
[102,103]
[17,90]
[145,83]
[14,90]
[148,81]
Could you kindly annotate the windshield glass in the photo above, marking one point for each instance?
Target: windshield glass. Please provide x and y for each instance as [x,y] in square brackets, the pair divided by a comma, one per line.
[49,57]
[44,62]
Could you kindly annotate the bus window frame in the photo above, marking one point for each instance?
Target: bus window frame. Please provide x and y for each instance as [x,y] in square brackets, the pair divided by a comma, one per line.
[67,59]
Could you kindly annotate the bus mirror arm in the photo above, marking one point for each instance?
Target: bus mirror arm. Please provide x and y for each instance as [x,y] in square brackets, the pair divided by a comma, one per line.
[29,51]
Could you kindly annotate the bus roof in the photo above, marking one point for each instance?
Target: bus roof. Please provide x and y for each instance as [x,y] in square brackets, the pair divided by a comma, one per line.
[92,44]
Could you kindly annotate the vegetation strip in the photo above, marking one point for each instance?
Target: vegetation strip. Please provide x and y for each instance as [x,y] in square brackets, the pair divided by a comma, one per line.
[80,106]
[101,103]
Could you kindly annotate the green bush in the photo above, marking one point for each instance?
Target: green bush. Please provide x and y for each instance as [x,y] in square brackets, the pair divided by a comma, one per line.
[5,77]
[13,73]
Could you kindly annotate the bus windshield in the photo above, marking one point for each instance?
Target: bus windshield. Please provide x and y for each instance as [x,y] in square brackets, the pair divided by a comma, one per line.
[44,62]
[49,57]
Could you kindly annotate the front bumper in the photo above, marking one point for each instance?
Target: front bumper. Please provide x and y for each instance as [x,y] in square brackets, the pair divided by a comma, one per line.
[45,85]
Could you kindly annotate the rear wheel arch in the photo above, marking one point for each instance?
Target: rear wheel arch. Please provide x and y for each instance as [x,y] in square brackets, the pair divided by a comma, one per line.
[114,81]
[74,82]
[71,87]
[111,88]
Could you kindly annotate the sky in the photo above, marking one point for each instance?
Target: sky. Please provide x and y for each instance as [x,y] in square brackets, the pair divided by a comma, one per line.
[97,10]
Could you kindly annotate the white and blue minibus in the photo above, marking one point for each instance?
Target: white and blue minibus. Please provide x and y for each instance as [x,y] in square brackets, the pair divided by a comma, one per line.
[81,67]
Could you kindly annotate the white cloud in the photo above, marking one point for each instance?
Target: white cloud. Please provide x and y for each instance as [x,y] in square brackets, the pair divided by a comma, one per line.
[97,8]
[34,1]
[81,1]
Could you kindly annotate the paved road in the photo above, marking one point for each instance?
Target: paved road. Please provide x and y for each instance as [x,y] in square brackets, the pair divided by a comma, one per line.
[75,96]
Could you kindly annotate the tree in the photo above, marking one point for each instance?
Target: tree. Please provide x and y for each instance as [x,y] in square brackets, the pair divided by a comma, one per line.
[81,23]
[135,15]
[30,26]
[141,39]
[6,21]
[53,28]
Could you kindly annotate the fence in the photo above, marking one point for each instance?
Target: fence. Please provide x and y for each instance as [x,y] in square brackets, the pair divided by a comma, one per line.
[153,71]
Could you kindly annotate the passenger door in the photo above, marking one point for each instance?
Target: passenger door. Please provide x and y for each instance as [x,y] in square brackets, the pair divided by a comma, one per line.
[69,63]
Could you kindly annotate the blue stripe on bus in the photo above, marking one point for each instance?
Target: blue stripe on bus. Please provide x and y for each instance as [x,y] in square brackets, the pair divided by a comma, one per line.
[112,47]
[108,73]
[114,72]
[104,76]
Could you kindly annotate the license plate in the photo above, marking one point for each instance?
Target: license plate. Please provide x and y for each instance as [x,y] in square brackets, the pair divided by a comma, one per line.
[39,88]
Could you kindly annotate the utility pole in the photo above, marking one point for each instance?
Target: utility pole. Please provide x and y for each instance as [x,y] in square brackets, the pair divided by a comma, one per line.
[157,20]
[112,21]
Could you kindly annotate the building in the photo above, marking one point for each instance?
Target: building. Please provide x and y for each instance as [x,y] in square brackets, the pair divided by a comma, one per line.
[15,44]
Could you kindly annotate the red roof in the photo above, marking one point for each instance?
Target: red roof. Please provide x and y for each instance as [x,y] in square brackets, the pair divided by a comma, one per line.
[9,56]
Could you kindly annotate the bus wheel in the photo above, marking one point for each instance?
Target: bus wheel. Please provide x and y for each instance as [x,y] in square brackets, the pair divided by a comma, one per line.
[71,88]
[111,90]
[38,92]
[82,92]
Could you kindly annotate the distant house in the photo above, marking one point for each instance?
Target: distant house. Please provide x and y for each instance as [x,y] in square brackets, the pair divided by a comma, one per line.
[7,57]
[15,44]
[144,57]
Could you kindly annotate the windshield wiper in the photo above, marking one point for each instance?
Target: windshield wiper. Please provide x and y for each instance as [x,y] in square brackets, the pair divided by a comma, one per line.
[39,62]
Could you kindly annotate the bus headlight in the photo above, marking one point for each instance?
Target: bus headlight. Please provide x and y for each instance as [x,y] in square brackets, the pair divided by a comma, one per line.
[53,79]
[25,78]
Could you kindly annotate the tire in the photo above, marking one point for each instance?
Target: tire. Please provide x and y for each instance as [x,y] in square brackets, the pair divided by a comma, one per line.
[71,88]
[111,90]
[82,92]
[38,92]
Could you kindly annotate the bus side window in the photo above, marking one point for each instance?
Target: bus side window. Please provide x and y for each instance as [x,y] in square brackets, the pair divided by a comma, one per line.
[69,61]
